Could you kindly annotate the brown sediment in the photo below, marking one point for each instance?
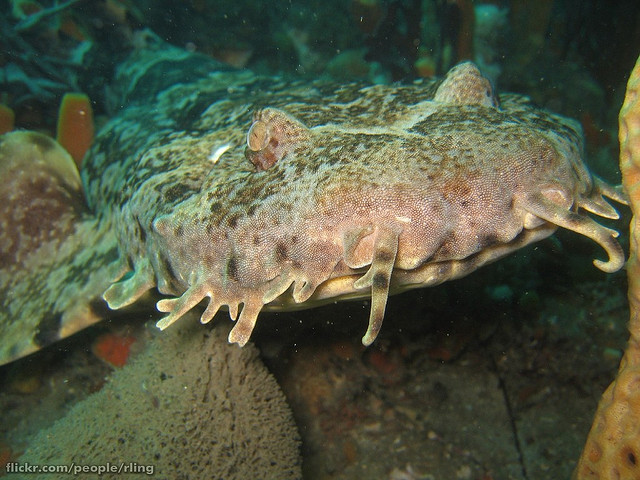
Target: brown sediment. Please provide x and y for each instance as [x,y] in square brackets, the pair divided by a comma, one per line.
[613,446]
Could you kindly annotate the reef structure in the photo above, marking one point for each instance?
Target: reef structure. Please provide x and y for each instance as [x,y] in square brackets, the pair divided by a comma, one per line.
[219,415]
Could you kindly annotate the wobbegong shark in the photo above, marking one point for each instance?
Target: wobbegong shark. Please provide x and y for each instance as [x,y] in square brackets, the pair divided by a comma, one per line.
[234,191]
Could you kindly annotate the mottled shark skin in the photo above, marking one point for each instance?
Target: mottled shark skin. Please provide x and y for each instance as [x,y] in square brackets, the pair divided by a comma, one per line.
[256,193]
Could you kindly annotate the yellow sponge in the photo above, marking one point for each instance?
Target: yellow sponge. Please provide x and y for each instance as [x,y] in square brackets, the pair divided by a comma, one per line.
[613,446]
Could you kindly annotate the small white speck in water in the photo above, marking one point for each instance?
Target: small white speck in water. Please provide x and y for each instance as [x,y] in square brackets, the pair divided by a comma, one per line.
[217,153]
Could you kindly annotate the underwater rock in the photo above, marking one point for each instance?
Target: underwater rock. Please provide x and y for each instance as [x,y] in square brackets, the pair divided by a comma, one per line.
[211,410]
[613,446]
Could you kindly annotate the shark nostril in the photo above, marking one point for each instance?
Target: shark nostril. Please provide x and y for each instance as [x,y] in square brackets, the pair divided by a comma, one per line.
[353,247]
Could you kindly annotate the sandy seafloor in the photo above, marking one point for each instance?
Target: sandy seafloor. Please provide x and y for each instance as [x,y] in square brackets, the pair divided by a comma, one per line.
[495,376]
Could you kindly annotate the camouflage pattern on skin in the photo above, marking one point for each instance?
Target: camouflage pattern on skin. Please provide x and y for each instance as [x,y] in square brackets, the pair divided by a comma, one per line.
[258,193]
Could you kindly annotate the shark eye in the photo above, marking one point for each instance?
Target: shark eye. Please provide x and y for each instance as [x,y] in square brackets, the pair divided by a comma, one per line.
[258,136]
[272,136]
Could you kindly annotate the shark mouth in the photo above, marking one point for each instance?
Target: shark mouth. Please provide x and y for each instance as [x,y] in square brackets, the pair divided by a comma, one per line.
[294,290]
[368,262]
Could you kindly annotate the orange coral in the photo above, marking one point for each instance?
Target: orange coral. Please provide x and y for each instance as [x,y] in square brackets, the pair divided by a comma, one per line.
[7,454]
[70,27]
[113,349]
[368,14]
[425,65]
[613,446]
[23,8]
[75,125]
[7,119]
[465,35]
